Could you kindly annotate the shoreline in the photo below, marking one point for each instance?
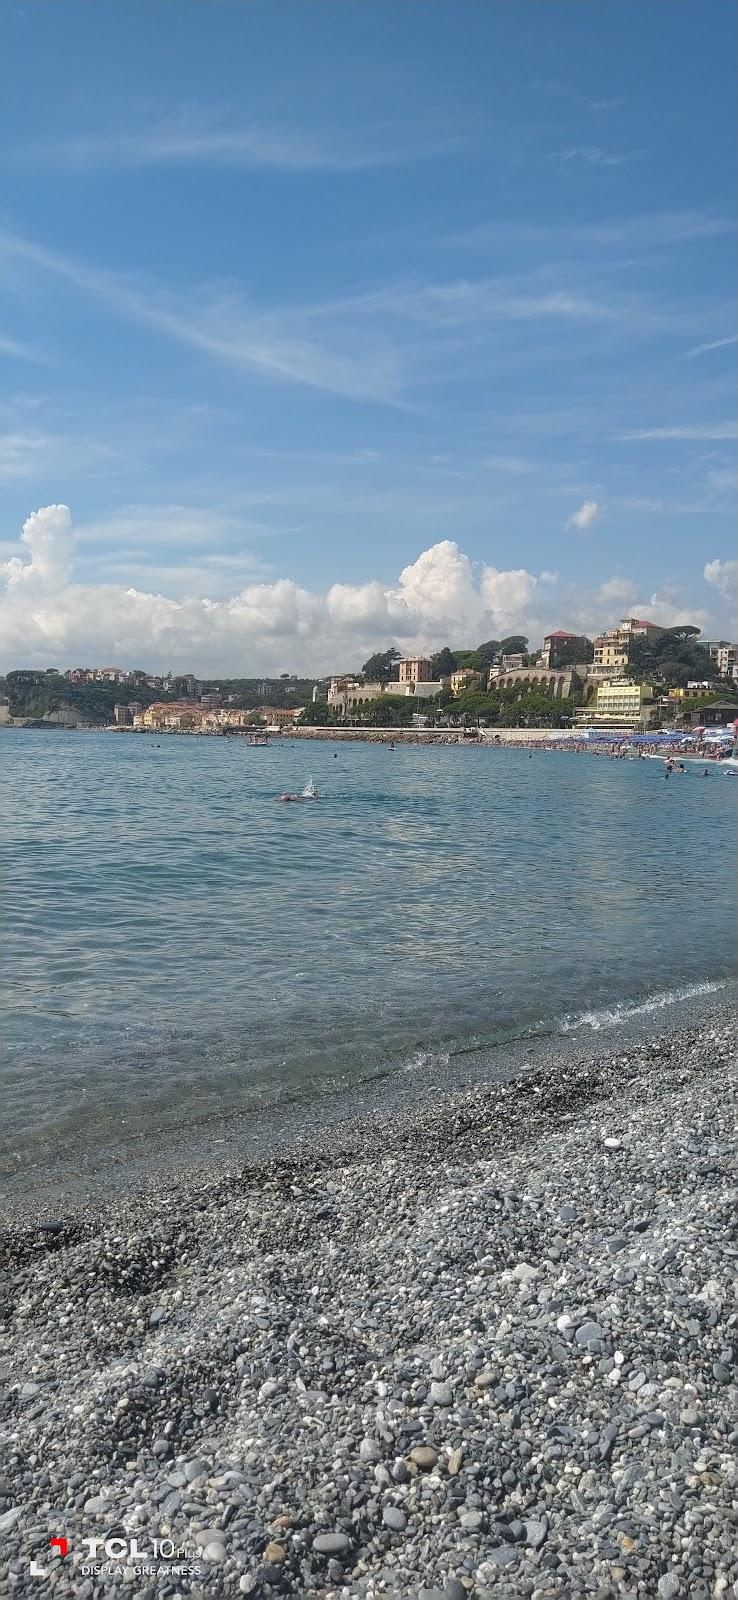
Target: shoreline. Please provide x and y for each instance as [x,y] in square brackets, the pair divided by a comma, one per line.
[491,1351]
[558,739]
[82,1168]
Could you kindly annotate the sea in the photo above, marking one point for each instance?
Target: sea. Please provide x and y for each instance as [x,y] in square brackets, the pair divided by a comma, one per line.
[190,962]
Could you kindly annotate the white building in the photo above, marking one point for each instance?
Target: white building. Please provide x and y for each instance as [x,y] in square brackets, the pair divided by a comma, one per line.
[723,655]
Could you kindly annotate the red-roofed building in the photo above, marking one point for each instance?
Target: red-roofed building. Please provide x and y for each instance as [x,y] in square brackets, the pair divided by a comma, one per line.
[612,650]
[563,649]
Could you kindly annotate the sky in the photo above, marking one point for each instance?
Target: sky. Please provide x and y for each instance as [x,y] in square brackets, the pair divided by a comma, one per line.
[329,327]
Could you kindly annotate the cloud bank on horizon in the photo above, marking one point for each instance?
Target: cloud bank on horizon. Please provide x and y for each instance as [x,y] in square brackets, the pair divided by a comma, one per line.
[49,619]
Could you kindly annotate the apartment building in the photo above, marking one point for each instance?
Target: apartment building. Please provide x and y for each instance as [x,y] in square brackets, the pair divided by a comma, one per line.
[623,702]
[414,669]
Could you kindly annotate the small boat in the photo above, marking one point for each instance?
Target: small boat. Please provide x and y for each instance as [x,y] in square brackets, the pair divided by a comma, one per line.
[257,739]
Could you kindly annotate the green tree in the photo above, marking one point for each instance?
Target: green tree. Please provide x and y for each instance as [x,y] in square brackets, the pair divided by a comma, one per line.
[443,663]
[386,711]
[470,658]
[380,667]
[488,651]
[515,644]
[318,714]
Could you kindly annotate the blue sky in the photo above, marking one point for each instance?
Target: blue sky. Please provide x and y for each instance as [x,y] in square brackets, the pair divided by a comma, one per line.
[300,297]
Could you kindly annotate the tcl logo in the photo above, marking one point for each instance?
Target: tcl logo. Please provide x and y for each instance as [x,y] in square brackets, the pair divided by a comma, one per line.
[61,1545]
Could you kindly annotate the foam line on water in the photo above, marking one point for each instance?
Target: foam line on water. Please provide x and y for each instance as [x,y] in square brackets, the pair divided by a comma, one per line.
[614,1016]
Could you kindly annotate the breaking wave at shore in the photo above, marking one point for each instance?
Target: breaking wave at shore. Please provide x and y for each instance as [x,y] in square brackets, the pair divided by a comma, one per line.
[614,1016]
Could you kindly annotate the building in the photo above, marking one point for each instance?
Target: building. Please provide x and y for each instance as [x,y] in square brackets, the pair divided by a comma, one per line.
[465,678]
[557,685]
[714,716]
[614,649]
[172,714]
[122,716]
[190,687]
[637,628]
[561,644]
[723,656]
[512,663]
[622,702]
[278,716]
[697,686]
[112,674]
[609,652]
[347,694]
[414,669]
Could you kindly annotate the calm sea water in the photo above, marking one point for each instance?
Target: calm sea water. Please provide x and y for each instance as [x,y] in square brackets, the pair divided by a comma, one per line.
[180,945]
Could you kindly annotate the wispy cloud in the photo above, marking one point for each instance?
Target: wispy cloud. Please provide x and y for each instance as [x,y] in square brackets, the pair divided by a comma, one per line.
[19,351]
[643,231]
[592,155]
[20,453]
[470,301]
[714,344]
[186,139]
[227,330]
[689,430]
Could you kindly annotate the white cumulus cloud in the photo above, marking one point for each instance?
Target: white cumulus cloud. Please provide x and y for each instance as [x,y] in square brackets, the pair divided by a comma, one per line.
[723,576]
[46,618]
[588,512]
[47,534]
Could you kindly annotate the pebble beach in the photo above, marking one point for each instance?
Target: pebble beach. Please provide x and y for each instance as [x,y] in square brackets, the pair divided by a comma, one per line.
[488,1352]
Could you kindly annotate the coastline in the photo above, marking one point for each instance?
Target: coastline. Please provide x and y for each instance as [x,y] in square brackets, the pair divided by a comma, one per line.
[553,739]
[346,1115]
[483,1343]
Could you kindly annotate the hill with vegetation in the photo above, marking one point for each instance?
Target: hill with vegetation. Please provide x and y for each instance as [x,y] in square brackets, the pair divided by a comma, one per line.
[41,694]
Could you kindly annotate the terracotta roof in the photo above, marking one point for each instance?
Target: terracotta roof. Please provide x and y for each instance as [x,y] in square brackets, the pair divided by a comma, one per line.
[561,633]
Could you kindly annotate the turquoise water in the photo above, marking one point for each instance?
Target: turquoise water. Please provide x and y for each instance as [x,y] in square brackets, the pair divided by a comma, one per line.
[180,945]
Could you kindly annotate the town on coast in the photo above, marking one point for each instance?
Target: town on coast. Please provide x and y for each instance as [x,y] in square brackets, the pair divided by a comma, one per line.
[637,678]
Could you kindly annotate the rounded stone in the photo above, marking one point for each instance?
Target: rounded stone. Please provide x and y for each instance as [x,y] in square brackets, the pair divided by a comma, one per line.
[424,1457]
[393,1517]
[331,1544]
[214,1552]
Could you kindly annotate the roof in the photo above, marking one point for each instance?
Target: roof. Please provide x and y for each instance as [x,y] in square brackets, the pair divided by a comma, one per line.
[561,633]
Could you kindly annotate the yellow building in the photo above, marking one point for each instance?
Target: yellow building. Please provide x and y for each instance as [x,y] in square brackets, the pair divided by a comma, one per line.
[465,678]
[625,702]
[174,714]
[609,651]
[613,649]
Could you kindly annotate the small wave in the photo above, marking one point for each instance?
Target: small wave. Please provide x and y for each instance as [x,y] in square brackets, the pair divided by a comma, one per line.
[424,1059]
[613,1017]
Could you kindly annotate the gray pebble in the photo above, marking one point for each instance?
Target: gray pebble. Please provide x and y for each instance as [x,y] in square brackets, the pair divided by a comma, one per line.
[331,1544]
